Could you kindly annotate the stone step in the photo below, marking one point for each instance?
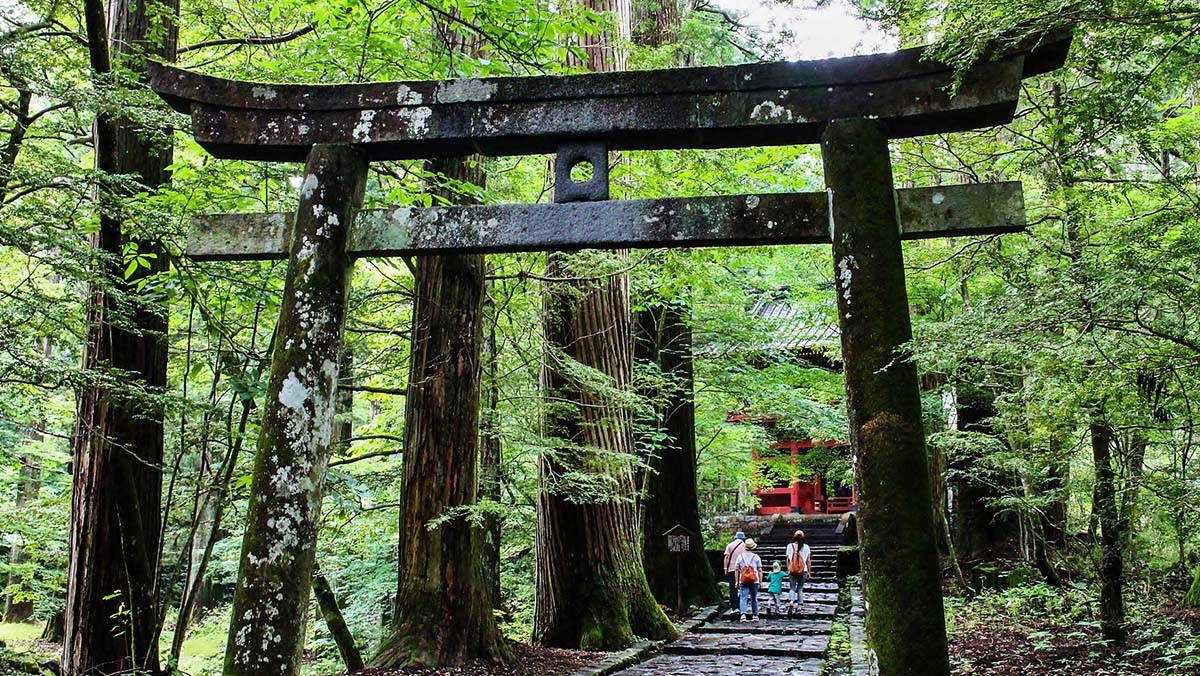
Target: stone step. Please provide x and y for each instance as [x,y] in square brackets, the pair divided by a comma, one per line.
[796,645]
[807,611]
[741,665]
[809,597]
[768,625]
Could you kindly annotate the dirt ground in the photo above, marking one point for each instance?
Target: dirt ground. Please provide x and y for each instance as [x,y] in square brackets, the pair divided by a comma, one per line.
[992,647]
[529,661]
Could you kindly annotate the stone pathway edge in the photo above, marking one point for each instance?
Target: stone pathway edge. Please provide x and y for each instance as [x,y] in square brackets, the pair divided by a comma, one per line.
[643,649]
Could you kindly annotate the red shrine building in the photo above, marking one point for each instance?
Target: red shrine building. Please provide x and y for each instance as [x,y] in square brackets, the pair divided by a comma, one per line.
[808,339]
[795,494]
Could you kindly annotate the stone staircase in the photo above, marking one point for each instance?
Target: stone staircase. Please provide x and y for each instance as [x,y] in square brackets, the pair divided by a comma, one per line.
[789,645]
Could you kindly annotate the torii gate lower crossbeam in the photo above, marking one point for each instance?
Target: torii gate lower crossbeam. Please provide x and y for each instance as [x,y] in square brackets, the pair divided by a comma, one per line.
[851,106]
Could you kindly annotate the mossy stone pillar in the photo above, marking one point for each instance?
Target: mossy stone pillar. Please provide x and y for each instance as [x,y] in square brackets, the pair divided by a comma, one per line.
[901,578]
[270,604]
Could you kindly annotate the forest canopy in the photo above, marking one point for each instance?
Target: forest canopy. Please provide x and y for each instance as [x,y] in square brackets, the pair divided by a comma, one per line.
[1056,365]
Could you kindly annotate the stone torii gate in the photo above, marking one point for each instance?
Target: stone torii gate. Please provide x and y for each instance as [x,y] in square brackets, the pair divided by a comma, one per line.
[851,106]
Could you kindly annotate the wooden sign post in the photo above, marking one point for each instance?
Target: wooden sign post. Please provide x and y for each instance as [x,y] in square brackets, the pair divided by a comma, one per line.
[679,543]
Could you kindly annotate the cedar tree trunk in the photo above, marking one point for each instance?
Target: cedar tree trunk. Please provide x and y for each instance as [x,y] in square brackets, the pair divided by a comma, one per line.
[443,604]
[111,612]
[590,589]
[664,336]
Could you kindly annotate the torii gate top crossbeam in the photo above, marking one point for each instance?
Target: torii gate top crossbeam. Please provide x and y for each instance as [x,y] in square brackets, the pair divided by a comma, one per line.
[738,106]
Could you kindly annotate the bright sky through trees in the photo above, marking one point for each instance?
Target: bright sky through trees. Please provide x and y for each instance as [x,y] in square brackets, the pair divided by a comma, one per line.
[812,30]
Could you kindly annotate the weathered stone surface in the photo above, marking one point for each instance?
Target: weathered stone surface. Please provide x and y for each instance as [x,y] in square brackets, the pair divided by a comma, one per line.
[742,665]
[900,569]
[795,645]
[740,106]
[792,218]
[768,625]
[807,611]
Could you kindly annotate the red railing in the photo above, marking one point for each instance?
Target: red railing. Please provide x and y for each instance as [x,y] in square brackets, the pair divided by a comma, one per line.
[839,505]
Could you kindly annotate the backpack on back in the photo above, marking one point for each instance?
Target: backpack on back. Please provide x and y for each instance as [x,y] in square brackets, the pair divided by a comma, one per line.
[796,563]
[749,573]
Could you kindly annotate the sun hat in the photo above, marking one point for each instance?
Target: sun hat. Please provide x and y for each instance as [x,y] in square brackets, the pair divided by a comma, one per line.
[739,536]
[750,545]
[798,535]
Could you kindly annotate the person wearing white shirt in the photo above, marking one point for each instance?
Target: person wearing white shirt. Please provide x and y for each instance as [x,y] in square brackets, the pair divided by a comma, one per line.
[799,565]
[749,572]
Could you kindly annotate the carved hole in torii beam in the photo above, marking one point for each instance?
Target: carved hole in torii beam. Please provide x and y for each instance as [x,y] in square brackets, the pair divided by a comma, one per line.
[582,172]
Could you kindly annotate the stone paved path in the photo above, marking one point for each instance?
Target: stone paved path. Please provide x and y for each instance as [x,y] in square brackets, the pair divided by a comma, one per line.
[780,645]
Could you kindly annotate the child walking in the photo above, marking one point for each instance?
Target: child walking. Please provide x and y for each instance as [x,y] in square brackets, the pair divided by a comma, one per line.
[775,586]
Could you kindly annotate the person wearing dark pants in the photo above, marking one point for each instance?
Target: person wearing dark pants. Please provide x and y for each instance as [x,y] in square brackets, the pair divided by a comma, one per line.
[732,551]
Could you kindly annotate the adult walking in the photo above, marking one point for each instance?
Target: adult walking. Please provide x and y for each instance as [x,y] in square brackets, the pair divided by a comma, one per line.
[799,564]
[732,550]
[750,574]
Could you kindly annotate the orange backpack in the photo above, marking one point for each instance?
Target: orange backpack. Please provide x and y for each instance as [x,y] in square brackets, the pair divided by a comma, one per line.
[796,564]
[749,575]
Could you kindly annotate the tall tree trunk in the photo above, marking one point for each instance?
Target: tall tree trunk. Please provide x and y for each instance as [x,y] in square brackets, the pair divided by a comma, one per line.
[1041,558]
[590,589]
[207,532]
[332,614]
[22,119]
[491,477]
[443,601]
[1055,522]
[111,614]
[270,604]
[1128,504]
[980,526]
[1112,566]
[664,337]
[443,606]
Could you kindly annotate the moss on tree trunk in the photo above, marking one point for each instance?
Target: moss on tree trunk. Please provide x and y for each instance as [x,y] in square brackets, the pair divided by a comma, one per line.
[664,337]
[270,603]
[901,578]
[591,591]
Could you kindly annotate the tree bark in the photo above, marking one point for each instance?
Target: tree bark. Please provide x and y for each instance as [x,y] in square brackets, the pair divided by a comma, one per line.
[1192,598]
[1112,566]
[905,622]
[590,589]
[664,337]
[1055,523]
[332,614]
[491,473]
[111,613]
[443,604]
[270,603]
[980,526]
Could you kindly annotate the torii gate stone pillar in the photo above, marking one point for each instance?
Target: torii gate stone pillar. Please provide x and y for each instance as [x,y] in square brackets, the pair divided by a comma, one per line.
[851,106]
[905,622]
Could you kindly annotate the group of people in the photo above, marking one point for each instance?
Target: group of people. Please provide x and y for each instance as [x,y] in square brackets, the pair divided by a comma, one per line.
[744,570]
